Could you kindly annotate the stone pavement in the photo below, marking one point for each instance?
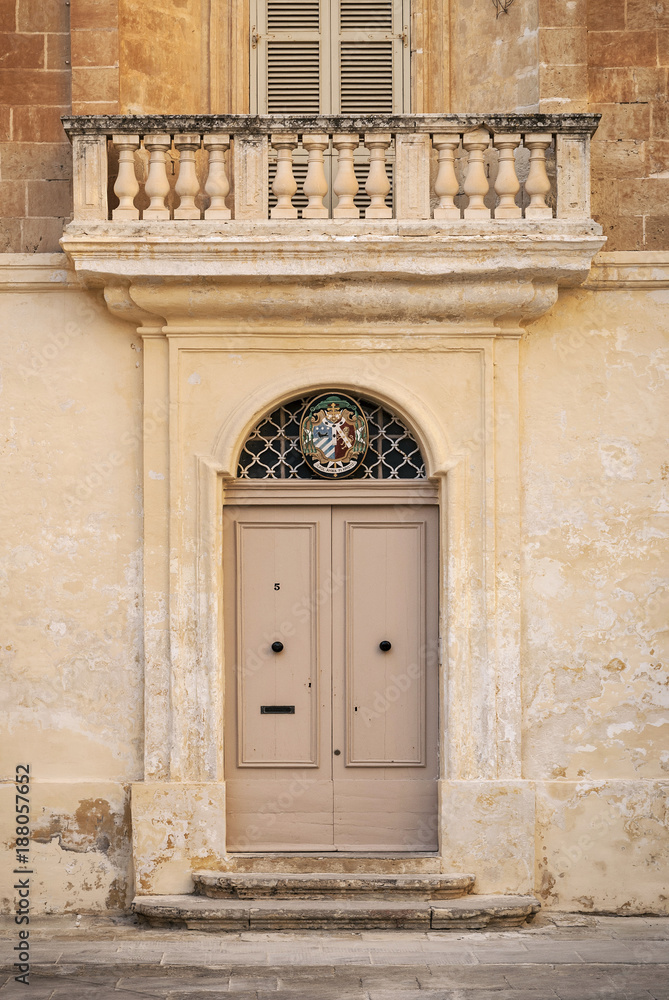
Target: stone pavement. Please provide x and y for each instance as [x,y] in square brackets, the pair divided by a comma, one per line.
[570,957]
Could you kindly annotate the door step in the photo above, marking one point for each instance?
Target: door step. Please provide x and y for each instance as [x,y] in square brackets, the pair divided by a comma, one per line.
[334,885]
[378,863]
[376,912]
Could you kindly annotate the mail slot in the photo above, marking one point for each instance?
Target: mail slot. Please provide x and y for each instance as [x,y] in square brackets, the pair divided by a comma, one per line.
[277,710]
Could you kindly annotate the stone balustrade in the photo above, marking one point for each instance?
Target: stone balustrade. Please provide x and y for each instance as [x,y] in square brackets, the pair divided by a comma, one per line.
[448,168]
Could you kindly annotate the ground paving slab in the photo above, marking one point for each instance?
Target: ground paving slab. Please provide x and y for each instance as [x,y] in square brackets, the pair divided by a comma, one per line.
[559,957]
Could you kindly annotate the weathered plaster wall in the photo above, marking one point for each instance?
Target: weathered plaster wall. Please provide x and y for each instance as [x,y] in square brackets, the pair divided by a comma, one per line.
[596,537]
[494,60]
[70,579]
[164,57]
[595,513]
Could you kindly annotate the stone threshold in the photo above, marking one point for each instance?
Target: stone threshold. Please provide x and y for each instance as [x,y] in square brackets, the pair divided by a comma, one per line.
[312,885]
[323,862]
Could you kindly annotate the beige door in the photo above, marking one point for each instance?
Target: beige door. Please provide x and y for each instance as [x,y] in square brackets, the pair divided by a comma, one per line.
[331,740]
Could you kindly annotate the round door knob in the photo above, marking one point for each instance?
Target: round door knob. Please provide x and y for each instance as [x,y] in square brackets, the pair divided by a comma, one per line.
[277,646]
[385,645]
[337,752]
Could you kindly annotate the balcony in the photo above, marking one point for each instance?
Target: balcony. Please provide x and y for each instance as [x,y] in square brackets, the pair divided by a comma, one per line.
[401,199]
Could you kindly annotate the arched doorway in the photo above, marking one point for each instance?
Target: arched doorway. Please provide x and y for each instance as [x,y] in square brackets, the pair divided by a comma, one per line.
[331,647]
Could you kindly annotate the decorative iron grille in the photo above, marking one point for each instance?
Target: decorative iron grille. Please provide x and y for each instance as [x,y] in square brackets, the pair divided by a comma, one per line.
[272,449]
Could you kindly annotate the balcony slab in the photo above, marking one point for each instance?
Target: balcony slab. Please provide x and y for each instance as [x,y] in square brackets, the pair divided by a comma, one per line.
[499,272]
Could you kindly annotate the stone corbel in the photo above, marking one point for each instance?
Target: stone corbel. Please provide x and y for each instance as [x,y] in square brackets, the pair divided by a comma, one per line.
[121,304]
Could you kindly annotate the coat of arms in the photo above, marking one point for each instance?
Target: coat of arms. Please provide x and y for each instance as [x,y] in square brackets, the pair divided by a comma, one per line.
[333,435]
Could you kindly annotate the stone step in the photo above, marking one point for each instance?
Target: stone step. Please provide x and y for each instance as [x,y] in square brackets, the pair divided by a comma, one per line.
[333,861]
[318,885]
[375,913]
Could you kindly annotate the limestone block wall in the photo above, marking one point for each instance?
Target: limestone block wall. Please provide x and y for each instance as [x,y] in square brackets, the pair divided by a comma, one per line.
[35,157]
[71,583]
[141,56]
[628,67]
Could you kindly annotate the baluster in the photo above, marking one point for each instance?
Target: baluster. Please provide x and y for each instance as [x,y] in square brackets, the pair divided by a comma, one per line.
[476,184]
[507,184]
[315,184]
[157,185]
[446,185]
[537,184]
[187,186]
[126,187]
[345,184]
[217,185]
[285,185]
[378,185]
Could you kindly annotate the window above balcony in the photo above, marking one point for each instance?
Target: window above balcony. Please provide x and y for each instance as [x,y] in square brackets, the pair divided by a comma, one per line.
[330,57]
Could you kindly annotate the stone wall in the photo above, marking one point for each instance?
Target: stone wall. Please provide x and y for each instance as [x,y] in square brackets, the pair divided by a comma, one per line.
[544,55]
[71,584]
[628,63]
[595,504]
[35,157]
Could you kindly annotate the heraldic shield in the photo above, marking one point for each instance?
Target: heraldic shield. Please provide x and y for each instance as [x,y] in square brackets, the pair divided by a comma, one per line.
[334,435]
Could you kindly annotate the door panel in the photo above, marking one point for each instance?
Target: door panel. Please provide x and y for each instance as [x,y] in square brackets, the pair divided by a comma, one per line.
[385,814]
[277,567]
[280,814]
[385,703]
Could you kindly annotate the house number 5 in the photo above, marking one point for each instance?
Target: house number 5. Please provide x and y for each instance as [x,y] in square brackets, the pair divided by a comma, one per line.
[277,586]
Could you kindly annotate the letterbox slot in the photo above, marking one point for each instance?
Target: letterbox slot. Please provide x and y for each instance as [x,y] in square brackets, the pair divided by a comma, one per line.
[277,710]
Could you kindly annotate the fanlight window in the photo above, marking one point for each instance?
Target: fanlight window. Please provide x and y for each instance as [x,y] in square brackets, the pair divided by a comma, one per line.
[272,449]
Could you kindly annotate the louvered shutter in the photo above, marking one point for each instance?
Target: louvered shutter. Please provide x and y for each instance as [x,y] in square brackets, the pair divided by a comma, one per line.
[368,45]
[290,57]
[331,56]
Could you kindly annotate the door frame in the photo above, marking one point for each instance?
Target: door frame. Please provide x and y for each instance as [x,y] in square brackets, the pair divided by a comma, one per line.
[348,493]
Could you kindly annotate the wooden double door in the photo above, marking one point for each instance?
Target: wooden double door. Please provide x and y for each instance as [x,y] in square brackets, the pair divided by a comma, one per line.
[331,677]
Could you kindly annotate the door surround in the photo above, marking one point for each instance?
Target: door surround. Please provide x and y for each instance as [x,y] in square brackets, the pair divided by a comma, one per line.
[462,410]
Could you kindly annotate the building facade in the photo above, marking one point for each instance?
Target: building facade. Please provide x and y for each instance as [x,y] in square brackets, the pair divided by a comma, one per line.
[334,456]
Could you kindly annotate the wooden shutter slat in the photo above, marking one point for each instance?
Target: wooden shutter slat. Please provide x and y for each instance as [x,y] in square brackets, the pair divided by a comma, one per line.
[366,77]
[293,77]
[366,16]
[298,15]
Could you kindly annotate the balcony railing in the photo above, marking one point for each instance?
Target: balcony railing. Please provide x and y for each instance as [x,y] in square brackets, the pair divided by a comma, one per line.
[215,168]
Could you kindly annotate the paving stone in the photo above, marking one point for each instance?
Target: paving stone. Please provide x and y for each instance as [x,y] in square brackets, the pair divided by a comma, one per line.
[625,952]
[82,991]
[161,985]
[387,978]
[327,993]
[458,994]
[206,996]
[462,977]
[254,982]
[34,991]
[575,991]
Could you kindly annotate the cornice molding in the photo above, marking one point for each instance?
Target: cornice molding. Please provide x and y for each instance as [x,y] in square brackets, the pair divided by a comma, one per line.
[37,272]
[629,269]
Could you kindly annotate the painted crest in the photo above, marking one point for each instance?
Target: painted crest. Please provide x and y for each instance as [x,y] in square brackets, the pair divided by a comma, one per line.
[334,435]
